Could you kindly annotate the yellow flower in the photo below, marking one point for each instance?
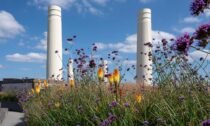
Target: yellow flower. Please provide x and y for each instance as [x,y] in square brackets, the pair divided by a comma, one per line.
[97,109]
[45,84]
[138,98]
[71,83]
[61,88]
[111,79]
[116,76]
[32,91]
[39,81]
[100,74]
[37,88]
[57,104]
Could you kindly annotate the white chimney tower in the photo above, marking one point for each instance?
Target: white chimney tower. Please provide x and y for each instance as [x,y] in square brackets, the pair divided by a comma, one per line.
[105,69]
[54,43]
[144,58]
[70,70]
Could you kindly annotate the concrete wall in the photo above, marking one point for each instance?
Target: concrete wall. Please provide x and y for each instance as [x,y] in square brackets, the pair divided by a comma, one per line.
[16,87]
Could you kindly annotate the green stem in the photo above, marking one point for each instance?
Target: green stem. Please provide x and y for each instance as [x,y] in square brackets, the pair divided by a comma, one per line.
[116,89]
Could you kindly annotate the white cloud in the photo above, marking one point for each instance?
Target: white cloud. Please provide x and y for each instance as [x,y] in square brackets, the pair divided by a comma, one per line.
[197,55]
[43,4]
[29,57]
[144,1]
[207,12]
[188,30]
[43,43]
[9,27]
[129,45]
[159,35]
[24,69]
[129,62]
[185,30]
[191,20]
[90,6]
[21,43]
[1,66]
[101,2]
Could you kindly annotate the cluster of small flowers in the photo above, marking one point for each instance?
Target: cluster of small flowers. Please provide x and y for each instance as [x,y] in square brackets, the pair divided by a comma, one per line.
[127,105]
[203,34]
[108,121]
[94,47]
[113,104]
[206,122]
[81,61]
[23,96]
[198,6]
[183,43]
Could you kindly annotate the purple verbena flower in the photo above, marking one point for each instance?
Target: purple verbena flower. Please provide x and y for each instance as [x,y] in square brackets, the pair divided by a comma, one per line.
[108,121]
[95,48]
[164,42]
[203,34]
[181,98]
[198,6]
[92,64]
[50,104]
[183,43]
[113,104]
[145,122]
[206,122]
[127,104]
[203,31]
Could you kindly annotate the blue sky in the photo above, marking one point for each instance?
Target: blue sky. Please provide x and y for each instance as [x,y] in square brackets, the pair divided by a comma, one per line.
[112,24]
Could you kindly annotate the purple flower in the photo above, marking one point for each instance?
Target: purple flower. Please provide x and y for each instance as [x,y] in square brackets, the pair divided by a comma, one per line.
[50,104]
[164,42]
[127,104]
[95,48]
[183,43]
[206,122]
[145,122]
[203,34]
[23,97]
[198,6]
[108,121]
[181,98]
[113,104]
[202,31]
[92,64]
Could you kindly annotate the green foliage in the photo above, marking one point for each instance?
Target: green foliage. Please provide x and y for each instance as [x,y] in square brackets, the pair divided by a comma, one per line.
[9,96]
[184,105]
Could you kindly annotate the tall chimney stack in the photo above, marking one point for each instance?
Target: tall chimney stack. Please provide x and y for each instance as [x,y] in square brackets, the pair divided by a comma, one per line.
[105,68]
[144,50]
[54,44]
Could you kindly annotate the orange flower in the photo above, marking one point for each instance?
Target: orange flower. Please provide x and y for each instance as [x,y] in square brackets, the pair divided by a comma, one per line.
[111,79]
[71,83]
[37,88]
[122,92]
[116,76]
[45,84]
[138,98]
[100,74]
